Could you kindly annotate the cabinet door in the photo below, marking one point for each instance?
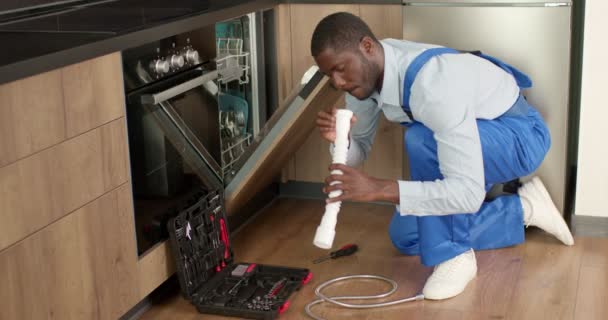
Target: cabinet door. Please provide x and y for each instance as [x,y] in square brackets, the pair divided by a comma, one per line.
[312,159]
[80,267]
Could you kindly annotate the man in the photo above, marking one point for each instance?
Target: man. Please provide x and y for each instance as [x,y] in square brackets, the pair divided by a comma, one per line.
[468,128]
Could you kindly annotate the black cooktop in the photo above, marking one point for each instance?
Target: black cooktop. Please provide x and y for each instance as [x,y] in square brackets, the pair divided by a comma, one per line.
[110,17]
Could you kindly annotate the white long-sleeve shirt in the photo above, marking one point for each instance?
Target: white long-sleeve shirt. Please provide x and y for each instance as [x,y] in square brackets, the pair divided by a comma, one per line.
[450,92]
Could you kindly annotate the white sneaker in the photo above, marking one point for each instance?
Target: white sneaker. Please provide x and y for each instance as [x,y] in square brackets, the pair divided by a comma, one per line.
[451,277]
[539,211]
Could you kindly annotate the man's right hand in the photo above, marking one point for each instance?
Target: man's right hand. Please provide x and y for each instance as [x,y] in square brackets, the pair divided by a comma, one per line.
[326,122]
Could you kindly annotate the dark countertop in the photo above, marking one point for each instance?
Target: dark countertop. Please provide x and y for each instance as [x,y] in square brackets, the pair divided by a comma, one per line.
[85,32]
[79,34]
[345,1]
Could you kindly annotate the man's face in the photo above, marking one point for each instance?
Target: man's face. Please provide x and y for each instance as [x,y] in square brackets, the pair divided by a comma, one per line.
[349,70]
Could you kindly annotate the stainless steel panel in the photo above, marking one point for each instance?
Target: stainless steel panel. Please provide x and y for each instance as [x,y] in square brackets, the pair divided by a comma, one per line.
[486,4]
[171,93]
[255,71]
[535,40]
[504,2]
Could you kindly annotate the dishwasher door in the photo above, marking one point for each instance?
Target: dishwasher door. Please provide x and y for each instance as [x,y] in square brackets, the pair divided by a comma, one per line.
[279,139]
[262,160]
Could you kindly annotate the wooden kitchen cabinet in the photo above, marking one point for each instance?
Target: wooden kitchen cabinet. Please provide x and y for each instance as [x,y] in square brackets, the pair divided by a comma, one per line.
[295,25]
[80,267]
[312,159]
[154,268]
[386,160]
[67,237]
[46,173]
[51,184]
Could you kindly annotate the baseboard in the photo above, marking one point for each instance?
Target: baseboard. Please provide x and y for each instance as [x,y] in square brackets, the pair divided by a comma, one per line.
[302,189]
[308,190]
[589,226]
[168,288]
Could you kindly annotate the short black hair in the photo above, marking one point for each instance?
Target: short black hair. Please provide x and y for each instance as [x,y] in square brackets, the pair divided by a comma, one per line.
[339,31]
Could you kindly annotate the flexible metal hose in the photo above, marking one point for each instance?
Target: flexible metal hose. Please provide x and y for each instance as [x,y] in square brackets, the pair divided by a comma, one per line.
[334,300]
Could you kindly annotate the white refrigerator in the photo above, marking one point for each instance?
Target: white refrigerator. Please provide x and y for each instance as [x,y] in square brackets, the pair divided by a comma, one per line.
[533,36]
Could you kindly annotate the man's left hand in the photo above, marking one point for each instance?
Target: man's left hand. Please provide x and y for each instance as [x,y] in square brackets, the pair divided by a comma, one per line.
[358,186]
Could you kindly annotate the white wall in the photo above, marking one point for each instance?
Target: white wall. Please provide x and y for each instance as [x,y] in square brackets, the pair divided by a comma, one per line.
[592,179]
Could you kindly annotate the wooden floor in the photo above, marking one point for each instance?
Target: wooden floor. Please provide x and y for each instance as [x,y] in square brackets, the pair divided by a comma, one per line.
[540,279]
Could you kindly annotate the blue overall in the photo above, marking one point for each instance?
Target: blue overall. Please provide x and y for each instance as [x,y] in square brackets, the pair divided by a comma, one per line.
[513,145]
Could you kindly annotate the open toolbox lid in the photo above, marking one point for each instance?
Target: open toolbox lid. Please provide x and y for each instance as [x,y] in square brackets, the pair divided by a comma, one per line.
[200,239]
[279,139]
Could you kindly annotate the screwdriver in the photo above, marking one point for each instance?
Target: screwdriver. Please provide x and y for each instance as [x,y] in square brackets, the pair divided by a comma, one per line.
[346,250]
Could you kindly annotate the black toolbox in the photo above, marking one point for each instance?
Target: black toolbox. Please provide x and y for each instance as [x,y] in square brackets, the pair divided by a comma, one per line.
[200,240]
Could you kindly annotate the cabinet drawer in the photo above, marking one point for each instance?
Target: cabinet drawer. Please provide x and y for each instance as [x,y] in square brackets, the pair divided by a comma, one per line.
[48,185]
[94,93]
[44,110]
[31,116]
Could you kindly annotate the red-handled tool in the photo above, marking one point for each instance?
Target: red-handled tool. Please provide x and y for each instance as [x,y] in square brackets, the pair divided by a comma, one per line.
[224,235]
[346,250]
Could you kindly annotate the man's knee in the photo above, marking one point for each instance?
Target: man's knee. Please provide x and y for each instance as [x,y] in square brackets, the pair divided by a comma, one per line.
[403,232]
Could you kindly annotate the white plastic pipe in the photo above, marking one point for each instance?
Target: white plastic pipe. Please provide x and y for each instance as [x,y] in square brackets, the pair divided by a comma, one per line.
[324,238]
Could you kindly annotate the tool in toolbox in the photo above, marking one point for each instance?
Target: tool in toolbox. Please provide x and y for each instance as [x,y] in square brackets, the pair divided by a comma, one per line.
[346,250]
[208,275]
[244,280]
